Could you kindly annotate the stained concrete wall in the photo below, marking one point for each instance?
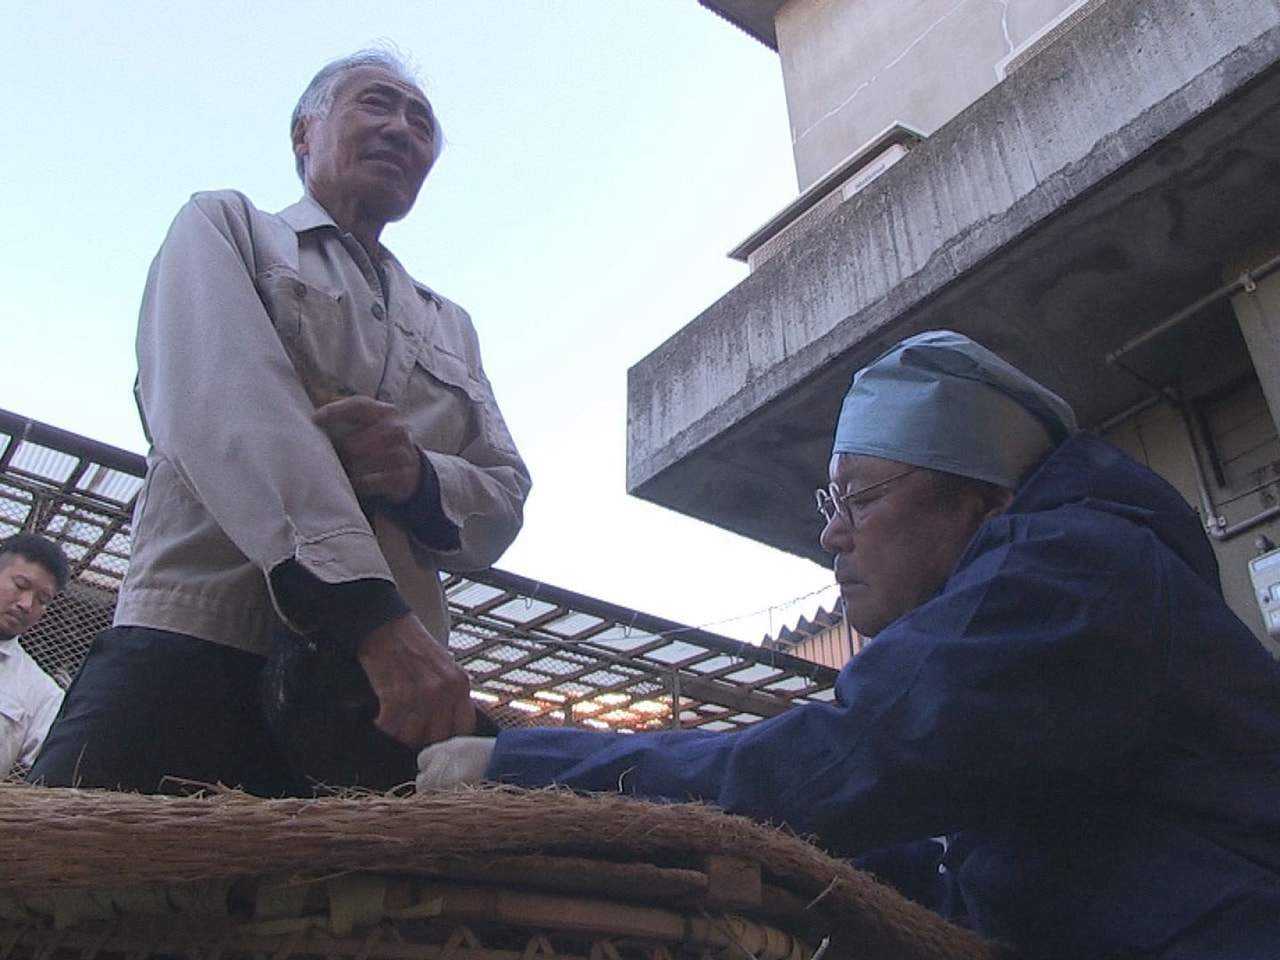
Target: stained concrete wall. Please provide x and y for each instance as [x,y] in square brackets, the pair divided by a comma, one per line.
[853,68]
[1055,142]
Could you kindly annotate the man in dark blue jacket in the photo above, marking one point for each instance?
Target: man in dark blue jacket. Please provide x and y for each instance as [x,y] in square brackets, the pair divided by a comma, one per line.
[1055,685]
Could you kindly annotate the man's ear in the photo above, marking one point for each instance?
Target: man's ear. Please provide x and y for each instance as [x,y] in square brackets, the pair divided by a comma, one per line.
[997,502]
[300,137]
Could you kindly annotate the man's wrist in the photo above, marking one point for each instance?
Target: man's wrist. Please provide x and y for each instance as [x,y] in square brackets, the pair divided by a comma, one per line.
[423,513]
[342,613]
[364,606]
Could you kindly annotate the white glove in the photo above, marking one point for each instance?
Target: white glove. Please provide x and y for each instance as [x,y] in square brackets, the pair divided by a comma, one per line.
[453,762]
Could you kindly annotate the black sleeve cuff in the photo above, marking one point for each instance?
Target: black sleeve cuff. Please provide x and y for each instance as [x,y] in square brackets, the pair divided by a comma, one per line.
[343,613]
[423,515]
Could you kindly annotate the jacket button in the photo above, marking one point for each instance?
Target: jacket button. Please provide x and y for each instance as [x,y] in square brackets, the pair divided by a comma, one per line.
[300,289]
[378,311]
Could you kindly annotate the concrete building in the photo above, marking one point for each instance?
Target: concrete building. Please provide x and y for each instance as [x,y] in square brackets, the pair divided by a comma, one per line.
[1090,188]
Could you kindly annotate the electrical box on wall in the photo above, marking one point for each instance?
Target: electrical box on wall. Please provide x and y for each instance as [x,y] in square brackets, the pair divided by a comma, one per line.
[1265,573]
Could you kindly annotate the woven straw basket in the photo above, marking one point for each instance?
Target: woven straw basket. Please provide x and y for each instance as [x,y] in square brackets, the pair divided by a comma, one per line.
[483,874]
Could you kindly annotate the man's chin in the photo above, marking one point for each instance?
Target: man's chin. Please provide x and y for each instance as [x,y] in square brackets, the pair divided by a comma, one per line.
[394,203]
[858,613]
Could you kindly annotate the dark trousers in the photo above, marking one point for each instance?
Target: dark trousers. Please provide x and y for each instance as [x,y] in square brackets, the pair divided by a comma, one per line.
[151,709]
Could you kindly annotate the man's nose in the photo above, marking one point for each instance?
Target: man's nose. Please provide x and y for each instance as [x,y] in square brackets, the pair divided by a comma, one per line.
[396,125]
[835,536]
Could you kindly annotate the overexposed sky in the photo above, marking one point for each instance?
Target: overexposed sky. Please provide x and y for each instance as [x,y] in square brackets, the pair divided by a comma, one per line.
[602,156]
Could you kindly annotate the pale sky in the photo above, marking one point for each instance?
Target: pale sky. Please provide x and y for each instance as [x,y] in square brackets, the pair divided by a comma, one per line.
[602,157]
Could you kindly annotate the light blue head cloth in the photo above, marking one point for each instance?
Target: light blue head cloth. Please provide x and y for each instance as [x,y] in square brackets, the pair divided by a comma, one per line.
[940,401]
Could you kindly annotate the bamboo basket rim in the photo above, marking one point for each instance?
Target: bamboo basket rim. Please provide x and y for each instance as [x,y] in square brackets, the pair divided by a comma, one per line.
[62,839]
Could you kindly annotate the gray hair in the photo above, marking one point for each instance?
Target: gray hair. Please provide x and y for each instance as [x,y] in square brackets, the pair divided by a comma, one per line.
[317,99]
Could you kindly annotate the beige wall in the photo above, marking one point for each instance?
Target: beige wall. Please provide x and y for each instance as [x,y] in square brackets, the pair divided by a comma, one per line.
[1258,312]
[852,67]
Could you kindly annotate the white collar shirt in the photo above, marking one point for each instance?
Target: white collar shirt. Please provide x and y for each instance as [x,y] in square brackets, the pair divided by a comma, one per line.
[29,700]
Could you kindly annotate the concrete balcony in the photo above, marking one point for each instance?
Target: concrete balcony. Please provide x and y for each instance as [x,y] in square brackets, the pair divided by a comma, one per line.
[1125,172]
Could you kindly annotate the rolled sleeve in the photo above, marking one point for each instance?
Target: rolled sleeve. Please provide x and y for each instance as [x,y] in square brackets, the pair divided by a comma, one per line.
[481,478]
[485,504]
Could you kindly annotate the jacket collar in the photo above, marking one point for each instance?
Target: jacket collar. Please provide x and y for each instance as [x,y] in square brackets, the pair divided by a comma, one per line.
[307,214]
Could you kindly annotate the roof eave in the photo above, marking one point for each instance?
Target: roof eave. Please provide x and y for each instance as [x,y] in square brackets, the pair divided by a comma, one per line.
[753,17]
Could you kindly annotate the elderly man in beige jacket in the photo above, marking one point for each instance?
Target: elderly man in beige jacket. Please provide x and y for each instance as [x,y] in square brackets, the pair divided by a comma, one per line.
[324,439]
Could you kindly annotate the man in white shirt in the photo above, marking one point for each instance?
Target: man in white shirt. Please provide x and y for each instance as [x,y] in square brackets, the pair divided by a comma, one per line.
[32,571]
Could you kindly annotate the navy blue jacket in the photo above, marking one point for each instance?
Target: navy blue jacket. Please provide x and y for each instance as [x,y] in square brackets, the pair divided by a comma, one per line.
[1077,710]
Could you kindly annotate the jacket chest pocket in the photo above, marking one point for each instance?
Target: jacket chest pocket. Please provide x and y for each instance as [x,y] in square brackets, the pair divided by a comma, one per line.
[330,351]
[445,401]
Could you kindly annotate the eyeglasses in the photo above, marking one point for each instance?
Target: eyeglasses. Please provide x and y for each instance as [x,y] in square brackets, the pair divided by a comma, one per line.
[831,501]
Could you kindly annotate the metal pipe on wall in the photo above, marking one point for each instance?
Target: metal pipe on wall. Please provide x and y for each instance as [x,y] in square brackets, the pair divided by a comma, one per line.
[1246,282]
[1215,524]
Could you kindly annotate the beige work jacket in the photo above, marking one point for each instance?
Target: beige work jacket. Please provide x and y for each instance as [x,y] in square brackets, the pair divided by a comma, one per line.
[247,321]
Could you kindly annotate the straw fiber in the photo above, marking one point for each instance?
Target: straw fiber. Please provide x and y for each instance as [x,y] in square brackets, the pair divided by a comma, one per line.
[472,874]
